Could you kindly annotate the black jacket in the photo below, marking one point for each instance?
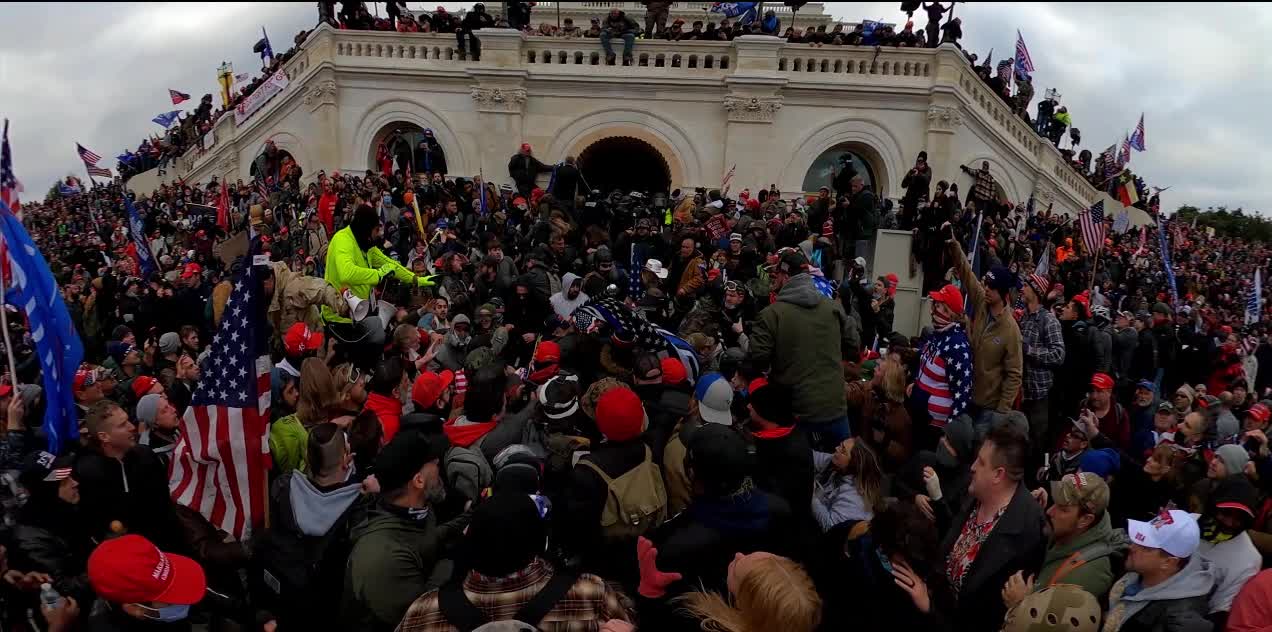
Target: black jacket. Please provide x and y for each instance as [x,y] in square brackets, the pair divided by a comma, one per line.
[133,491]
[784,466]
[48,539]
[579,522]
[1017,543]
[523,169]
[566,183]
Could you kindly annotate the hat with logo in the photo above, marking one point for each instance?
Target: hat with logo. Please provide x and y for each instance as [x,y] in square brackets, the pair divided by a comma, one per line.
[791,262]
[1174,531]
[300,339]
[1001,279]
[130,569]
[715,399]
[1166,407]
[1102,382]
[429,387]
[142,385]
[191,269]
[1040,283]
[1084,489]
[84,378]
[44,467]
[1260,412]
[949,296]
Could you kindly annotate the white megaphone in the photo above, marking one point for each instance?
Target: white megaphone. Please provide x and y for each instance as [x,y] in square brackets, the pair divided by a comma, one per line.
[386,311]
[359,308]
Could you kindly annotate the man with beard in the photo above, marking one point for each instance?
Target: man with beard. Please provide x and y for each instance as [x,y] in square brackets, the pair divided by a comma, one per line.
[571,296]
[735,316]
[1081,544]
[355,262]
[526,313]
[397,551]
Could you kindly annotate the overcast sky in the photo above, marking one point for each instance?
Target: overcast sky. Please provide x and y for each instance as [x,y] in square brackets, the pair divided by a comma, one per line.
[97,74]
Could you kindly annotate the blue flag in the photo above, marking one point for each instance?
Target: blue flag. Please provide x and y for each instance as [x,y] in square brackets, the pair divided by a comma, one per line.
[56,343]
[263,48]
[167,118]
[137,229]
[733,9]
[1170,272]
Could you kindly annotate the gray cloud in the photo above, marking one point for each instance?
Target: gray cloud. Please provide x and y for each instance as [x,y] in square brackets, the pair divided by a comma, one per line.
[97,73]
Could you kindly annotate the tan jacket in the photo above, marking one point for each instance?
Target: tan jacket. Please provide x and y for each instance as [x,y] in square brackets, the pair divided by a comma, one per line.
[297,297]
[997,354]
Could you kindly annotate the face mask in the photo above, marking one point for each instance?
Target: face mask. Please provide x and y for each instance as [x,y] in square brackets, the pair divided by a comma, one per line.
[166,614]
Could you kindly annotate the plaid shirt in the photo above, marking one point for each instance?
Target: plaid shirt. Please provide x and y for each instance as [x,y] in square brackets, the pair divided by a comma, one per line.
[584,608]
[1044,352]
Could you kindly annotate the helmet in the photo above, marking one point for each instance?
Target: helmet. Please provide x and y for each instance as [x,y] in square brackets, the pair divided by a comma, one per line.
[1061,608]
[1100,312]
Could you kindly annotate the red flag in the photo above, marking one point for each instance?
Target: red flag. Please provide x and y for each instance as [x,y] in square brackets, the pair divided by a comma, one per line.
[223,208]
[177,97]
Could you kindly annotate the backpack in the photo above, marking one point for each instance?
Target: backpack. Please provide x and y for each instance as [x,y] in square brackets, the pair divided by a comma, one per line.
[467,470]
[466,617]
[300,578]
[635,502]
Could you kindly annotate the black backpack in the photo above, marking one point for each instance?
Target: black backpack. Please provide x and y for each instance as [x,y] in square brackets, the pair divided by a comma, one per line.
[300,578]
[466,617]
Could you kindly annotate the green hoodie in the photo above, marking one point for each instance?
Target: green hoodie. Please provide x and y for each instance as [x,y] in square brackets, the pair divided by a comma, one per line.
[1094,568]
[394,560]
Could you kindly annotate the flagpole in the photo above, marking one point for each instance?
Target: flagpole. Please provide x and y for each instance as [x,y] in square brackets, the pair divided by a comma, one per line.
[8,344]
[1096,269]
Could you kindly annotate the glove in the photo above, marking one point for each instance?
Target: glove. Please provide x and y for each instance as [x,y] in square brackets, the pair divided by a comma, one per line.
[932,482]
[653,582]
[426,281]
[386,270]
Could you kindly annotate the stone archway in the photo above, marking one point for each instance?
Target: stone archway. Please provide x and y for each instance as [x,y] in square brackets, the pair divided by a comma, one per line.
[677,148]
[625,163]
[879,148]
[381,119]
[635,139]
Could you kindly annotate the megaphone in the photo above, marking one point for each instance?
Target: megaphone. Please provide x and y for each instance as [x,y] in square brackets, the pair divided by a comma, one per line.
[385,311]
[359,308]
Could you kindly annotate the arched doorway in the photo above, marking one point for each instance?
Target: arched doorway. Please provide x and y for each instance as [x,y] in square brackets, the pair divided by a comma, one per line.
[402,142]
[624,163]
[832,161]
[273,164]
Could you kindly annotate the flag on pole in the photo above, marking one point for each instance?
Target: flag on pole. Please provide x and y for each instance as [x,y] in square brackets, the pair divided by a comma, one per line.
[728,180]
[1255,302]
[482,192]
[221,462]
[34,289]
[167,118]
[242,78]
[87,156]
[262,46]
[1126,192]
[1170,271]
[177,97]
[1122,222]
[1092,223]
[1124,153]
[223,208]
[1137,137]
[1044,262]
[145,259]
[225,79]
[1143,240]
[1024,63]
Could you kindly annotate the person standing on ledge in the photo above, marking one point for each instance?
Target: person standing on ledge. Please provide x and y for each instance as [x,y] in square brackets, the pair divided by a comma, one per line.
[524,167]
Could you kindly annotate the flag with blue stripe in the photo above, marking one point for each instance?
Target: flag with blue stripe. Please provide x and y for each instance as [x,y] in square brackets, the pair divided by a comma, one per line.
[1255,300]
[167,118]
[58,346]
[137,231]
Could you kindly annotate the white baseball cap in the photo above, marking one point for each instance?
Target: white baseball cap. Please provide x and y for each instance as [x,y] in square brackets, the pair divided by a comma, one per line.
[1174,532]
[715,399]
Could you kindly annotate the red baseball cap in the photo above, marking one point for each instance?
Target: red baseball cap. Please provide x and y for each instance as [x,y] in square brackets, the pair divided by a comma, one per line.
[429,386]
[191,269]
[548,353]
[84,377]
[300,338]
[5,390]
[129,569]
[1259,412]
[1102,381]
[525,146]
[673,371]
[142,385]
[950,296]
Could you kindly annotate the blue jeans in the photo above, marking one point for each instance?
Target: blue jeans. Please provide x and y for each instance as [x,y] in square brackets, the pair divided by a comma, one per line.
[629,40]
[825,436]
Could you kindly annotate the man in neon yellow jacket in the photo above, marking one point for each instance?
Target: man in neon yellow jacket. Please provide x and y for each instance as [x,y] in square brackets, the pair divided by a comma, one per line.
[354,262]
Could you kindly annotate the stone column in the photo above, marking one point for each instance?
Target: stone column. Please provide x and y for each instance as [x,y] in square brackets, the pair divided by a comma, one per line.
[943,123]
[751,104]
[498,93]
[323,143]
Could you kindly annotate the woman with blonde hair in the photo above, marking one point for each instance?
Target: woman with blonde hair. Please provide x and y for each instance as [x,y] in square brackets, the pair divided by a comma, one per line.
[879,405]
[848,484]
[289,436]
[768,592]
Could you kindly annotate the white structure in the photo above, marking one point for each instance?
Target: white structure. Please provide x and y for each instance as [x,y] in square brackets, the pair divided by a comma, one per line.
[811,14]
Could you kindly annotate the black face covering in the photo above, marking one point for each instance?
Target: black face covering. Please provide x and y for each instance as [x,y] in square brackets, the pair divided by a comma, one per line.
[363,225]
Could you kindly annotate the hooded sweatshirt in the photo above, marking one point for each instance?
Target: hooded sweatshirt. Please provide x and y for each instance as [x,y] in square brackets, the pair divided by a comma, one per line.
[1084,560]
[454,348]
[315,511]
[1183,599]
[561,303]
[801,338]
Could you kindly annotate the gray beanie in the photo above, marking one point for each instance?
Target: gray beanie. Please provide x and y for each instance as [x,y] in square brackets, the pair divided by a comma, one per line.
[169,342]
[962,437]
[148,407]
[1234,458]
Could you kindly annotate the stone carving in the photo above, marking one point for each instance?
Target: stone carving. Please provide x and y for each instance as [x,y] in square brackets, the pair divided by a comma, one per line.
[228,163]
[499,99]
[752,109]
[324,92]
[944,118]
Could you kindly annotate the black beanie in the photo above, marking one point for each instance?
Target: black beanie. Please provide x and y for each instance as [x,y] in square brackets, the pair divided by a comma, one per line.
[505,535]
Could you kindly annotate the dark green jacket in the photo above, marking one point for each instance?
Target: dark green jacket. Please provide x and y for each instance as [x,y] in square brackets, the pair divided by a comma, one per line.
[393,561]
[803,337]
[1092,567]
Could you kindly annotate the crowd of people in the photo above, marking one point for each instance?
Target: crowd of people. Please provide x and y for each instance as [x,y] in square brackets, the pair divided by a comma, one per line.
[653,409]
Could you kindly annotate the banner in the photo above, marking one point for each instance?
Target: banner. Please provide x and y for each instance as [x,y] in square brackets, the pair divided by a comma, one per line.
[1170,272]
[264,92]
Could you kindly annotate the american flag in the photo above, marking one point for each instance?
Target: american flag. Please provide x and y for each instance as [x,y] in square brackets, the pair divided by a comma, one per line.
[87,156]
[1255,300]
[10,187]
[1137,137]
[1024,63]
[220,463]
[1092,223]
[177,97]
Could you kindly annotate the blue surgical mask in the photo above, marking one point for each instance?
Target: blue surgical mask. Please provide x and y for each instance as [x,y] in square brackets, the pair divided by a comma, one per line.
[166,614]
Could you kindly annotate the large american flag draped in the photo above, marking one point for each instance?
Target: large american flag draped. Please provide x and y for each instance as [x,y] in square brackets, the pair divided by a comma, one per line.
[219,465]
[1092,223]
